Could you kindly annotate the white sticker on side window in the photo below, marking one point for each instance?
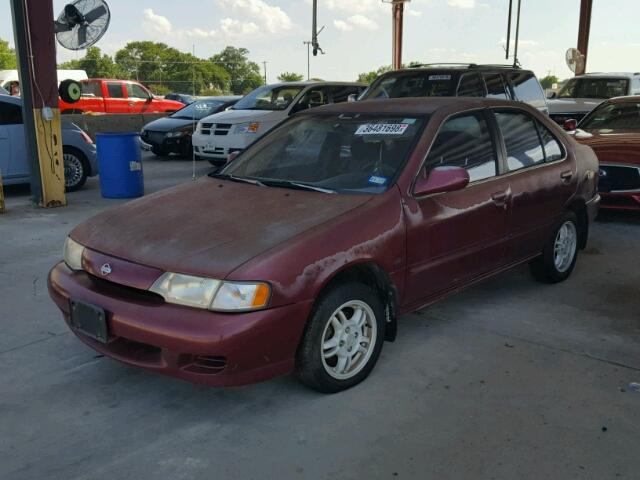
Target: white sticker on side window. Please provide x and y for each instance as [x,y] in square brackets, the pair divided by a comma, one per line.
[439,77]
[382,129]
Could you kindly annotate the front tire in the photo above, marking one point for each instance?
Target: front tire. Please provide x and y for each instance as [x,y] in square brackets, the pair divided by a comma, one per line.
[76,169]
[343,338]
[159,152]
[560,252]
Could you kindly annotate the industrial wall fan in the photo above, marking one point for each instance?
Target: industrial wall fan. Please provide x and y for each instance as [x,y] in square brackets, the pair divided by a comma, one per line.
[574,59]
[82,23]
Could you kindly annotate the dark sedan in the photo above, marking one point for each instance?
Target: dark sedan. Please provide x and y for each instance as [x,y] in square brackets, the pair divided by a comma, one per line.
[172,134]
[613,131]
[332,225]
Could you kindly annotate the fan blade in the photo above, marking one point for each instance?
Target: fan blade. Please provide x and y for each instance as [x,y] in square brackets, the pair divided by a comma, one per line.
[61,27]
[82,36]
[95,13]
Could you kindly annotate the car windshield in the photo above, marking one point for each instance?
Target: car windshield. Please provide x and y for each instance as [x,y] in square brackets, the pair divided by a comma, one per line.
[614,117]
[594,88]
[412,84]
[347,153]
[268,98]
[198,109]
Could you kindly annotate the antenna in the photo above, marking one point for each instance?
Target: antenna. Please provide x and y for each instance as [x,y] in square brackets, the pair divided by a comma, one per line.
[508,45]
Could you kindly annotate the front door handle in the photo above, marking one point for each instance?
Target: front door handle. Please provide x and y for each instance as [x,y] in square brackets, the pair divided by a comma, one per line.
[566,175]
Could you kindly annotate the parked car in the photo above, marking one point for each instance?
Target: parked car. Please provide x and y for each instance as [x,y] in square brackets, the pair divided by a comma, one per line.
[183,98]
[172,134]
[460,80]
[232,131]
[79,152]
[612,130]
[330,227]
[117,96]
[581,94]
[8,76]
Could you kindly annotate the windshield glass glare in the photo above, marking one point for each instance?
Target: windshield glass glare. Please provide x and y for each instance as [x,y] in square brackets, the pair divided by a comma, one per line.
[412,84]
[594,88]
[199,109]
[342,153]
[614,117]
[268,98]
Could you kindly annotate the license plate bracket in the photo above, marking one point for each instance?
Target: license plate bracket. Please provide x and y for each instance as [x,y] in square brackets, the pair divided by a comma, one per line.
[90,320]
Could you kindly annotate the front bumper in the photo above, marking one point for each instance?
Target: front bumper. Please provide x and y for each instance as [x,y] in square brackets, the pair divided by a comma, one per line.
[195,345]
[165,144]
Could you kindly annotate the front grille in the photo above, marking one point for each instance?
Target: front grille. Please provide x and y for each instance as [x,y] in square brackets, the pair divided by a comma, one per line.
[615,178]
[216,128]
[207,365]
[135,351]
[124,292]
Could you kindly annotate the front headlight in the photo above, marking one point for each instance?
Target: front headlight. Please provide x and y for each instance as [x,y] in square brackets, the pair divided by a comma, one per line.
[177,133]
[251,127]
[207,293]
[72,254]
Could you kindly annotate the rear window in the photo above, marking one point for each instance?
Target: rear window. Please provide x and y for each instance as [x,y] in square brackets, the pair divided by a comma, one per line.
[413,84]
[527,89]
[115,90]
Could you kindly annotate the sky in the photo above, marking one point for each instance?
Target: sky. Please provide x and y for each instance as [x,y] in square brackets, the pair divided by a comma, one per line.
[357,34]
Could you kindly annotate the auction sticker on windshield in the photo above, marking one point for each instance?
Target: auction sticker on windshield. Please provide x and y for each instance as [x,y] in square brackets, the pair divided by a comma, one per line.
[382,129]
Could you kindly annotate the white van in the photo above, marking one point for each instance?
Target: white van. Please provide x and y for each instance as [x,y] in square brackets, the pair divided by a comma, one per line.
[8,76]
[221,134]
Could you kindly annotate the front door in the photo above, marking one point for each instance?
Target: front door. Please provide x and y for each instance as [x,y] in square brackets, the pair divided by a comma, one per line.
[139,99]
[115,100]
[456,237]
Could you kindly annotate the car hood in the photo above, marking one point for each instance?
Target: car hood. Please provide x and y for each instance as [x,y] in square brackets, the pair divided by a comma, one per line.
[613,147]
[240,116]
[210,227]
[167,124]
[573,105]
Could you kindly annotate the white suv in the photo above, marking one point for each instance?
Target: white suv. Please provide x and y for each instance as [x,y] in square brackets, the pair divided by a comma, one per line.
[583,93]
[233,130]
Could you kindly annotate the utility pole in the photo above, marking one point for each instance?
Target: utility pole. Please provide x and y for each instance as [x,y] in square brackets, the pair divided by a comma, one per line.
[265,72]
[583,33]
[34,40]
[308,44]
[397,10]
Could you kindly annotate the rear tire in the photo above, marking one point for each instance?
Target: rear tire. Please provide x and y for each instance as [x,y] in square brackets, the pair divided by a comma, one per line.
[343,338]
[560,252]
[76,169]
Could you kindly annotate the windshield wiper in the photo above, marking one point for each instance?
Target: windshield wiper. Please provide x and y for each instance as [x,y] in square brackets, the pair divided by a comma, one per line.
[233,178]
[296,185]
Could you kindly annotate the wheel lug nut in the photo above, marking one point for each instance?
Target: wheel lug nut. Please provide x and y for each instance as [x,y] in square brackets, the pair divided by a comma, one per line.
[341,343]
[349,349]
[347,330]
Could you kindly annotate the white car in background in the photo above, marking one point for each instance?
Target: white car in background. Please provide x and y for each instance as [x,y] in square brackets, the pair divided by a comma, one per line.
[583,93]
[233,130]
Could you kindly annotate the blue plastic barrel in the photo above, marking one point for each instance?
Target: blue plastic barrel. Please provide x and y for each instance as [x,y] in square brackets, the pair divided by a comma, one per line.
[120,165]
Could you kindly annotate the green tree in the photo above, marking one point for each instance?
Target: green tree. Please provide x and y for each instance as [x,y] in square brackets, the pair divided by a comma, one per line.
[244,74]
[8,59]
[95,63]
[548,81]
[290,77]
[369,77]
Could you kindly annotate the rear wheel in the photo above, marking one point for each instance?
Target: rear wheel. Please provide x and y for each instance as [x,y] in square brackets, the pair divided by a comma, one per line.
[76,169]
[560,252]
[343,338]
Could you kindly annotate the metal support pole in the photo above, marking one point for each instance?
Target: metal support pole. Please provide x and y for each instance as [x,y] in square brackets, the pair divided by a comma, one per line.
[515,47]
[308,44]
[583,33]
[398,19]
[34,39]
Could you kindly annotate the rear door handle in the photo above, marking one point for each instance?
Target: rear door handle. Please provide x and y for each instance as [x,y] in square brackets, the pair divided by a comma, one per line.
[566,175]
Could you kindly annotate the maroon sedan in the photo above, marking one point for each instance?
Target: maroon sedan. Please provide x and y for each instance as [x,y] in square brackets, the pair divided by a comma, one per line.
[613,132]
[302,252]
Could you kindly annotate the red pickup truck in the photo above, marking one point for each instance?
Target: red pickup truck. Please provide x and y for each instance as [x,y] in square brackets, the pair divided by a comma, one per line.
[117,96]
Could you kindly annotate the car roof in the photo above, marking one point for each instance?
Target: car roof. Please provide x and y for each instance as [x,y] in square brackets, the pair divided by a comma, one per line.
[307,83]
[460,68]
[609,75]
[415,105]
[625,99]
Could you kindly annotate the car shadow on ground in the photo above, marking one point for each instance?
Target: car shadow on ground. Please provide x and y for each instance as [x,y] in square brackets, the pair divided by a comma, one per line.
[622,216]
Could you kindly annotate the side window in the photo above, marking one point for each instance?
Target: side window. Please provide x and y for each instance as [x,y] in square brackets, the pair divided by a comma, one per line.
[495,86]
[527,89]
[91,89]
[635,86]
[470,86]
[552,149]
[521,139]
[136,91]
[465,141]
[10,114]
[115,90]
[341,94]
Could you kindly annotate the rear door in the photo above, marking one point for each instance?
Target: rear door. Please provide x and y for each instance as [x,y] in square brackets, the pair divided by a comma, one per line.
[13,153]
[116,98]
[541,177]
[456,237]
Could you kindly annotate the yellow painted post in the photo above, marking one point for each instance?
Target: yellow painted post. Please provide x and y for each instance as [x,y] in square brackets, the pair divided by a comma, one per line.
[49,141]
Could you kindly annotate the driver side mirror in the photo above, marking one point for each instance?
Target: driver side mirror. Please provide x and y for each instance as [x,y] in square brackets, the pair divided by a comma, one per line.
[551,95]
[353,97]
[441,179]
[570,124]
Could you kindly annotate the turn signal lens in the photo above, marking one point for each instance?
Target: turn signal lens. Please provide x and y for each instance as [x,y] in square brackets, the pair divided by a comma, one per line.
[241,296]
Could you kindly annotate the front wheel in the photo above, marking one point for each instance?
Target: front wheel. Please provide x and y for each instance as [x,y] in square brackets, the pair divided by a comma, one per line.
[342,340]
[75,169]
[560,252]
